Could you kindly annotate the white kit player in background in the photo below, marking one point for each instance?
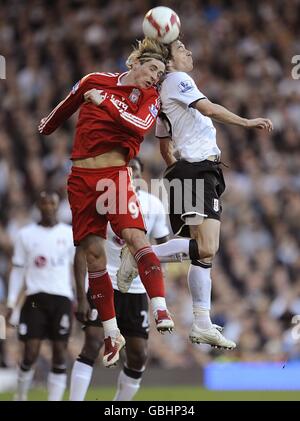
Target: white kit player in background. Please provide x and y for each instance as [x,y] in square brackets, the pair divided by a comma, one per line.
[131,308]
[43,264]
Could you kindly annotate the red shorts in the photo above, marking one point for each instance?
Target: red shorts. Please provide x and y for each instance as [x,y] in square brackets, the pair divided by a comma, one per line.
[98,196]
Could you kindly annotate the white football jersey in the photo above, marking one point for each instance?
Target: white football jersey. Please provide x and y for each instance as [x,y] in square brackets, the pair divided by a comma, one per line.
[156,223]
[47,254]
[193,134]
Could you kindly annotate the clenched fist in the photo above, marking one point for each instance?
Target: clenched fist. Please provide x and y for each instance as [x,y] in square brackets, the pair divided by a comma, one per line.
[95,96]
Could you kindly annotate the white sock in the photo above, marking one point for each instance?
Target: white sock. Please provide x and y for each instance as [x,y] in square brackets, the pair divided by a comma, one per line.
[111,328]
[177,245]
[80,380]
[127,387]
[199,281]
[24,383]
[158,303]
[56,386]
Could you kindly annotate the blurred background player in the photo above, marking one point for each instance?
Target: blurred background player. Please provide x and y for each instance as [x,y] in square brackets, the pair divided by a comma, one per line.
[131,308]
[116,111]
[43,260]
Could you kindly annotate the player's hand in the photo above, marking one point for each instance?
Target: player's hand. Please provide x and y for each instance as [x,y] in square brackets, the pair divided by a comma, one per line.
[95,96]
[83,310]
[260,123]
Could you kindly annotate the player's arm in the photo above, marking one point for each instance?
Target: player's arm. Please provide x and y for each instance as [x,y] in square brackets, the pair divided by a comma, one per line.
[80,272]
[15,287]
[166,150]
[16,282]
[67,107]
[166,143]
[222,115]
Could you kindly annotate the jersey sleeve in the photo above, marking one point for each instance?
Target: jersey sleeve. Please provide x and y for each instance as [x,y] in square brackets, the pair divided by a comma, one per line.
[160,228]
[161,130]
[67,107]
[20,254]
[184,90]
[143,120]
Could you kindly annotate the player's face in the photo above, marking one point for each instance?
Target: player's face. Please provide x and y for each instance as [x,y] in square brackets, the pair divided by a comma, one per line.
[182,59]
[148,73]
[48,206]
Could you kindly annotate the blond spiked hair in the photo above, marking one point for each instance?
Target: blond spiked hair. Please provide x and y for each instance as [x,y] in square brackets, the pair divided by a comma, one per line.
[146,50]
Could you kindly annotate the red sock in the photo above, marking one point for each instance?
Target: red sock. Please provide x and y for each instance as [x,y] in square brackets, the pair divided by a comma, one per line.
[102,294]
[150,272]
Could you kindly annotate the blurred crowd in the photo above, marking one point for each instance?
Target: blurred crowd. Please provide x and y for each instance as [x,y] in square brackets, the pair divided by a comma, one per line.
[243,60]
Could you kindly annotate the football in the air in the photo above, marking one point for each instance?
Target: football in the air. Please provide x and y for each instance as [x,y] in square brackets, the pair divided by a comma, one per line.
[162,24]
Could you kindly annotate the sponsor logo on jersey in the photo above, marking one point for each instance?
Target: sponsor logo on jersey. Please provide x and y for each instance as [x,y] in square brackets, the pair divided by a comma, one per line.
[216,205]
[153,110]
[134,96]
[185,86]
[75,87]
[40,261]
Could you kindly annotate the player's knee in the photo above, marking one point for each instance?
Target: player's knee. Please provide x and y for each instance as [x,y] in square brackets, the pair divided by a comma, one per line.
[135,238]
[91,347]
[95,259]
[30,357]
[27,363]
[137,359]
[208,250]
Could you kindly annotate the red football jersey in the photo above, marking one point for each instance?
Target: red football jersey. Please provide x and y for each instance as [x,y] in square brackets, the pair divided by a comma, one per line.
[122,119]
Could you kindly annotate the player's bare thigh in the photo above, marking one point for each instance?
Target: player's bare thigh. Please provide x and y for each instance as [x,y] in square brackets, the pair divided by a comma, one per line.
[94,249]
[135,239]
[207,236]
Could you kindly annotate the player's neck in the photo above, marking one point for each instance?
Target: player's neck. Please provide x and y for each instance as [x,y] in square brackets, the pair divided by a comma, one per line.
[48,222]
[128,79]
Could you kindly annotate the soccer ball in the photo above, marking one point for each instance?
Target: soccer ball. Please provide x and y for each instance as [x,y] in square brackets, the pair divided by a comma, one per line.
[162,24]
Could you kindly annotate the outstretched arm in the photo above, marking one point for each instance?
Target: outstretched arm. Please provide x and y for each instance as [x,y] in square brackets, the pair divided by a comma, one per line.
[222,115]
[65,108]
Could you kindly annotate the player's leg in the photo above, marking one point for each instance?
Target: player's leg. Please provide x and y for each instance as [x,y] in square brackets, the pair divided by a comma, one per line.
[150,272]
[57,378]
[31,352]
[83,367]
[132,314]
[59,329]
[130,377]
[89,230]
[103,296]
[31,331]
[199,279]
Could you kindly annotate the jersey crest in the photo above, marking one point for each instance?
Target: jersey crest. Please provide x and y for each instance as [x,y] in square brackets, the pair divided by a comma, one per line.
[185,86]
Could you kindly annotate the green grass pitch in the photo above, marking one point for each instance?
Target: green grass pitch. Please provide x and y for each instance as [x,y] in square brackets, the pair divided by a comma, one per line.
[175,394]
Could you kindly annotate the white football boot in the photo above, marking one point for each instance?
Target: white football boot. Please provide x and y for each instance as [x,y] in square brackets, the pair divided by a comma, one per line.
[127,271]
[211,336]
